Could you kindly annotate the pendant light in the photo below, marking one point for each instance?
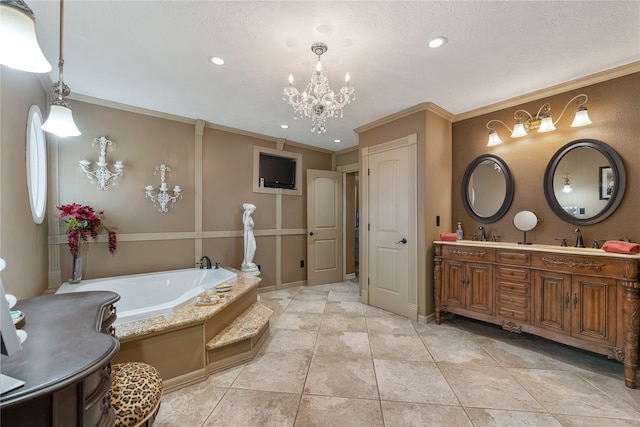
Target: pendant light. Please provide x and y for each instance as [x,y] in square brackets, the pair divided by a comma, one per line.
[19,46]
[60,121]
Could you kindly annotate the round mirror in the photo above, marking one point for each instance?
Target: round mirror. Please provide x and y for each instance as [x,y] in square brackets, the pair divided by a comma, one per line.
[487,188]
[584,182]
[525,221]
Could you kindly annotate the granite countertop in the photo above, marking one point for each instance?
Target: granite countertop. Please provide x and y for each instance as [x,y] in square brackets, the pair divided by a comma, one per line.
[189,315]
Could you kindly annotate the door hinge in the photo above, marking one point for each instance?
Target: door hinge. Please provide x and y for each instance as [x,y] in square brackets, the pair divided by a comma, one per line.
[368,172]
[368,227]
[368,280]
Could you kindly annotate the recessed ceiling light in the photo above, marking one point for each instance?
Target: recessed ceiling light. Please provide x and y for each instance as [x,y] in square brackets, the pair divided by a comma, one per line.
[437,42]
[216,60]
[284,126]
[337,140]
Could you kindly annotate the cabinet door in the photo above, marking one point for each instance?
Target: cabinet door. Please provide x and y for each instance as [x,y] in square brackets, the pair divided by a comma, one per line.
[593,305]
[552,301]
[480,288]
[453,292]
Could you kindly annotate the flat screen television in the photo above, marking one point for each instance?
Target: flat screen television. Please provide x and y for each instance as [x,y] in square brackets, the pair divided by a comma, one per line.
[277,172]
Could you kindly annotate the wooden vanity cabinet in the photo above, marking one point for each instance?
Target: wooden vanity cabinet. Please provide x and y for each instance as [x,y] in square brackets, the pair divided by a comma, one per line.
[585,298]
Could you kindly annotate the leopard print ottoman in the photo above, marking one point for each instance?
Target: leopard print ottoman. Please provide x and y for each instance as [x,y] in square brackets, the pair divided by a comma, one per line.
[136,390]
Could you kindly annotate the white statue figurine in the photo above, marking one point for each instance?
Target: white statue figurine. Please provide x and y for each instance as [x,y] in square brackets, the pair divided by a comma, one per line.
[248,266]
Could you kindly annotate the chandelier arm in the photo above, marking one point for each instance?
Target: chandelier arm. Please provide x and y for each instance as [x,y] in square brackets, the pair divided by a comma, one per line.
[61,57]
[582,95]
[499,121]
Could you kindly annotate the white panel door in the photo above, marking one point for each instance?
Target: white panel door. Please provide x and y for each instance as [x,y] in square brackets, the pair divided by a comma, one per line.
[324,227]
[391,238]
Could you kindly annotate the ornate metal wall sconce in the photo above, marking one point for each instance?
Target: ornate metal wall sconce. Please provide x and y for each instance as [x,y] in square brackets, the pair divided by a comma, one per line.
[162,197]
[102,173]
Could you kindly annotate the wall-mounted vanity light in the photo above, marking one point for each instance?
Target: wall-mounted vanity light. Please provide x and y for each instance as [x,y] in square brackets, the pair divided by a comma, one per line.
[102,173]
[542,121]
[163,197]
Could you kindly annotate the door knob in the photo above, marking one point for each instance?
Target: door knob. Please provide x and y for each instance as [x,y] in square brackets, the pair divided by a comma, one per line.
[311,233]
[403,241]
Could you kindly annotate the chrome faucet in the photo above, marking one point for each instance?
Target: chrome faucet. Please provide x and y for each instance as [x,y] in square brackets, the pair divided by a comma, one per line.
[483,235]
[579,243]
[208,261]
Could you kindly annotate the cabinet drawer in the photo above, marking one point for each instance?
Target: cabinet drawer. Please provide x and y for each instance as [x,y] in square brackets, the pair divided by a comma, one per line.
[469,253]
[516,307]
[521,288]
[513,273]
[513,257]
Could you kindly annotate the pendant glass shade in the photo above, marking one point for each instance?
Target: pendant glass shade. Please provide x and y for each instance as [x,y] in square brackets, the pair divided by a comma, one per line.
[518,130]
[19,47]
[60,121]
[546,125]
[494,139]
[567,188]
[581,118]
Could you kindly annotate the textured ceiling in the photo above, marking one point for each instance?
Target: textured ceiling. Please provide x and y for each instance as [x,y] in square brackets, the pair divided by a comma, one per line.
[153,54]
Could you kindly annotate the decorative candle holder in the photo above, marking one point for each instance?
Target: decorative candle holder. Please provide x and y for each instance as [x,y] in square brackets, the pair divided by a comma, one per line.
[102,173]
[162,197]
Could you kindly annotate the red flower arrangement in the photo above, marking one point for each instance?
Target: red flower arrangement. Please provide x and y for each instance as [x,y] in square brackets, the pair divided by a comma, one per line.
[82,221]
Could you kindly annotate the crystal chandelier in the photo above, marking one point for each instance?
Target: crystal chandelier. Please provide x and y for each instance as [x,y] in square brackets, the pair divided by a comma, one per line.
[318,101]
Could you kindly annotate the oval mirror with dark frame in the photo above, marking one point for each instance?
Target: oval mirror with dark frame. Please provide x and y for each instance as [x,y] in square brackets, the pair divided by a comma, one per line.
[487,188]
[584,182]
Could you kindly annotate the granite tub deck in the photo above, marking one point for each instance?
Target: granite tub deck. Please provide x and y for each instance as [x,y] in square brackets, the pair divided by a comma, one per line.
[197,340]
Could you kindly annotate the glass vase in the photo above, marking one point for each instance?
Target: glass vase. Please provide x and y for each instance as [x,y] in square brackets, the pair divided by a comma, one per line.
[77,264]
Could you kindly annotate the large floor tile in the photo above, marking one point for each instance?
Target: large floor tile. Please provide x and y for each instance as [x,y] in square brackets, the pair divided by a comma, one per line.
[323,411]
[390,325]
[345,287]
[421,415]
[311,294]
[290,341]
[344,308]
[338,322]
[343,344]
[343,296]
[343,377]
[563,392]
[522,354]
[254,408]
[189,407]
[408,381]
[398,347]
[293,320]
[500,418]
[304,306]
[274,372]
[488,387]
[578,421]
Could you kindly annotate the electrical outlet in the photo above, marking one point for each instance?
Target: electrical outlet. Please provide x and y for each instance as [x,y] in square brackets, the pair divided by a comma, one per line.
[301,263]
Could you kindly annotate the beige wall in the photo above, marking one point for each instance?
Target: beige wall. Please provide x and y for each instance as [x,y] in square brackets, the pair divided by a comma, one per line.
[613,108]
[23,244]
[433,128]
[147,240]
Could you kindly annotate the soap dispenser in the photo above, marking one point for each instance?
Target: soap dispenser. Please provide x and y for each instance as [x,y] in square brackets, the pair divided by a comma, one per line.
[459,231]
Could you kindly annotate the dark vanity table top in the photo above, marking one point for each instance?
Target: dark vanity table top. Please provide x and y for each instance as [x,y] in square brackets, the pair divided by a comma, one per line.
[64,343]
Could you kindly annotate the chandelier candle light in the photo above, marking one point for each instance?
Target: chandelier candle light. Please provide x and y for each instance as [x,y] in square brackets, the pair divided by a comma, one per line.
[318,101]
[102,172]
[162,196]
[542,121]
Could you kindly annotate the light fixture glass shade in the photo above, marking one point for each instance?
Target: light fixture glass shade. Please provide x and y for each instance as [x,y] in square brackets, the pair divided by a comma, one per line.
[581,118]
[60,121]
[19,47]
[567,188]
[546,125]
[518,130]
[494,139]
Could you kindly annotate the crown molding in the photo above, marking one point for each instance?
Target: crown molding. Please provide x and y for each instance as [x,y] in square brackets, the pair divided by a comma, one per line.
[600,77]
[425,106]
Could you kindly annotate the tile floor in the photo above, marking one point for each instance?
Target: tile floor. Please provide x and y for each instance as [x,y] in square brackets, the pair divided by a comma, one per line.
[331,361]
